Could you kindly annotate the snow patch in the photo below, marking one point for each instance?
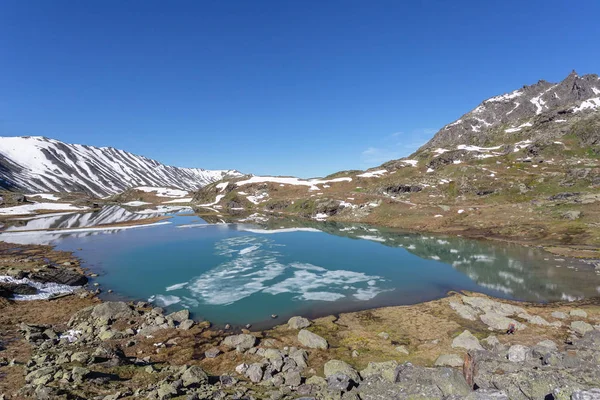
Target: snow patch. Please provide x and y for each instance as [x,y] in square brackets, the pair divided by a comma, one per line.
[373,174]
[32,208]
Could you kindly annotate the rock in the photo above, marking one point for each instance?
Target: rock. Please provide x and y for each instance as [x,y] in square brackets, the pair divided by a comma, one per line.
[464,311]
[272,354]
[293,378]
[559,315]
[487,394]
[547,344]
[386,369]
[59,275]
[241,342]
[333,367]
[449,360]
[166,391]
[179,316]
[518,353]
[316,381]
[355,354]
[491,342]
[8,289]
[581,327]
[312,340]
[255,372]
[467,341]
[339,382]
[572,215]
[41,374]
[112,310]
[80,357]
[212,353]
[241,369]
[194,375]
[578,313]
[300,357]
[79,374]
[298,323]
[500,322]
[490,306]
[402,349]
[186,324]
[384,335]
[227,380]
[591,394]
[534,319]
[451,382]
[589,341]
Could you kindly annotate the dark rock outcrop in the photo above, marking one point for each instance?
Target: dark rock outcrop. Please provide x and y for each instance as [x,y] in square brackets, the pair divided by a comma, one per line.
[59,275]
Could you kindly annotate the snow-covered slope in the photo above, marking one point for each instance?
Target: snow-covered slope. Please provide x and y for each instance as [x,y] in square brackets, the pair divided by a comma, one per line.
[34,164]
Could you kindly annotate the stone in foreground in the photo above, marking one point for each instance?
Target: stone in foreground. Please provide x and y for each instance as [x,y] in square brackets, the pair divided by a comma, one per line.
[333,367]
[312,340]
[466,341]
[449,360]
[240,342]
[298,323]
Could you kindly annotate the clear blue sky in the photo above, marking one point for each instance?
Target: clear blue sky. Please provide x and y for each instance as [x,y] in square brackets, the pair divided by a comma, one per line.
[301,88]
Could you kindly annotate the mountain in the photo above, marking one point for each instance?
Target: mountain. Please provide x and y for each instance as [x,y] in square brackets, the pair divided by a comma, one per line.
[38,164]
[542,111]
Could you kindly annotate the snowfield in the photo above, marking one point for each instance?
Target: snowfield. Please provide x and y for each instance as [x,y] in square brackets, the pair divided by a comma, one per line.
[33,208]
[311,183]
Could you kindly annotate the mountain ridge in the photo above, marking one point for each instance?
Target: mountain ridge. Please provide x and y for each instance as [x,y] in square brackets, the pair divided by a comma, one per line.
[505,117]
[38,163]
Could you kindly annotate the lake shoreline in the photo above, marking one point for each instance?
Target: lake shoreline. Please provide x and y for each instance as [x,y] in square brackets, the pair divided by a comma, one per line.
[424,331]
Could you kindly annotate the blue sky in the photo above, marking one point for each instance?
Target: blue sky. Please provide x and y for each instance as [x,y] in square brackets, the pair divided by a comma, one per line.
[275,87]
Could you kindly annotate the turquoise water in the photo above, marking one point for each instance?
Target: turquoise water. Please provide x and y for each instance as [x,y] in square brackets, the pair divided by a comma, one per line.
[241,273]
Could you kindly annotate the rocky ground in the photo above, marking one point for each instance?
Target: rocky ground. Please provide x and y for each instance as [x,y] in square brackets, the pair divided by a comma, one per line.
[77,347]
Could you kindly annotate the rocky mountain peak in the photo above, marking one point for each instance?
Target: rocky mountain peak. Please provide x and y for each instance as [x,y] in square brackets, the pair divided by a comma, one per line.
[506,116]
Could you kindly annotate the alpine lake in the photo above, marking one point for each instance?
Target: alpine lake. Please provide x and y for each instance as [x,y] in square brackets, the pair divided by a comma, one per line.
[244,273]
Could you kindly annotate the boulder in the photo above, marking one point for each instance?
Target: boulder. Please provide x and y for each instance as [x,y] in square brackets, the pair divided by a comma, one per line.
[212,353]
[333,367]
[499,322]
[179,316]
[255,372]
[547,344]
[298,323]
[578,313]
[8,289]
[194,375]
[559,315]
[534,319]
[112,310]
[240,342]
[293,378]
[186,324]
[59,275]
[467,341]
[300,357]
[491,342]
[487,394]
[312,340]
[465,311]
[591,394]
[386,369]
[339,382]
[581,327]
[449,360]
[518,353]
